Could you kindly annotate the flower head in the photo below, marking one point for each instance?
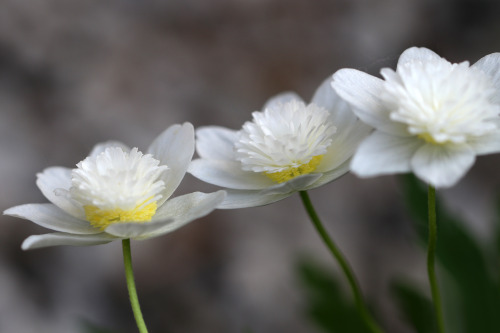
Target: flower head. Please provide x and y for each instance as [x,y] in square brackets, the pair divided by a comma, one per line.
[118,186]
[289,146]
[285,141]
[431,117]
[118,193]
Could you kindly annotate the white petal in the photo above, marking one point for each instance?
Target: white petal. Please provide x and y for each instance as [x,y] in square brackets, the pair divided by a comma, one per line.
[135,230]
[362,91]
[341,113]
[293,185]
[55,239]
[51,217]
[490,65]
[325,96]
[344,144]
[442,166]
[100,147]
[174,148]
[53,182]
[244,199]
[228,174]
[214,142]
[281,99]
[350,130]
[381,154]
[190,206]
[418,54]
[187,208]
[327,177]
[486,144]
[172,215]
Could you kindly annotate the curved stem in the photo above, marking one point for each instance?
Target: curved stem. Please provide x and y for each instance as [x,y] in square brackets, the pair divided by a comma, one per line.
[129,274]
[431,255]
[337,254]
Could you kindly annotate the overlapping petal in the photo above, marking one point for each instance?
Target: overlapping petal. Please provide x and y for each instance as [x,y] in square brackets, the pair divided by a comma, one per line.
[442,166]
[245,199]
[487,144]
[215,142]
[174,148]
[490,65]
[350,131]
[228,174]
[55,239]
[331,175]
[347,140]
[362,91]
[293,185]
[382,154]
[340,112]
[282,99]
[421,54]
[52,217]
[136,230]
[101,147]
[54,183]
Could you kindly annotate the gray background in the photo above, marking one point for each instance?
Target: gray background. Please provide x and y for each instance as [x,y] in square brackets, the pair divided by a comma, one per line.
[74,73]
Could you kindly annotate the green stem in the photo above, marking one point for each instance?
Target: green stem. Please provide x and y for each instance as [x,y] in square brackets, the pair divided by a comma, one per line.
[129,274]
[431,255]
[337,254]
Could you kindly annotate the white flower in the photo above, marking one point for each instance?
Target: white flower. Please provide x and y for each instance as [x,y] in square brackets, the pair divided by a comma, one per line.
[118,193]
[431,117]
[290,146]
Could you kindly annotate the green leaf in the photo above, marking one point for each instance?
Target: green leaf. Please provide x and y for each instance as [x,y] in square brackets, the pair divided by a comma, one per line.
[415,307]
[326,303]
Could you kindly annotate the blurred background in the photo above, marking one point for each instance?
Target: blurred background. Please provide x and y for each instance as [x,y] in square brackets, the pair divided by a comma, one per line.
[74,73]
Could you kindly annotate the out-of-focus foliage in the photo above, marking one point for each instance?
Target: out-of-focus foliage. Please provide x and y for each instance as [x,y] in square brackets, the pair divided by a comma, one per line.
[89,327]
[416,308]
[468,274]
[469,277]
[328,306]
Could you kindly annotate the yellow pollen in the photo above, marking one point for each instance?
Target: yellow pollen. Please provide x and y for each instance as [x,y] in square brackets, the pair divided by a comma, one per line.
[101,218]
[290,173]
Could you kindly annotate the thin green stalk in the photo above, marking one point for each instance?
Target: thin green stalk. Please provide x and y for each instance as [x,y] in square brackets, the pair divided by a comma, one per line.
[337,254]
[431,255]
[129,274]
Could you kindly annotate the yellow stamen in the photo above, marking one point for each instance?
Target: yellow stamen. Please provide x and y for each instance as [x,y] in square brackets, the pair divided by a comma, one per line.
[101,219]
[290,173]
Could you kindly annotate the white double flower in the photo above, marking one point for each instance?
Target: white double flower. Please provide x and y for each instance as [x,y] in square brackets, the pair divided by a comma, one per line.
[431,117]
[117,193]
[290,146]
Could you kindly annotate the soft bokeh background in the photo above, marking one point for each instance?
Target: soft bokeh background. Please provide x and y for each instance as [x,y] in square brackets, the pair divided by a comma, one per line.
[73,73]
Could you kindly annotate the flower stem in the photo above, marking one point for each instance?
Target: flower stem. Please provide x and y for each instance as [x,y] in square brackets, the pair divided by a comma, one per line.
[129,274]
[337,254]
[431,254]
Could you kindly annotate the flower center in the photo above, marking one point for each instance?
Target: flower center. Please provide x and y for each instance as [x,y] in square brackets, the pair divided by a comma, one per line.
[441,102]
[292,172]
[117,186]
[285,141]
